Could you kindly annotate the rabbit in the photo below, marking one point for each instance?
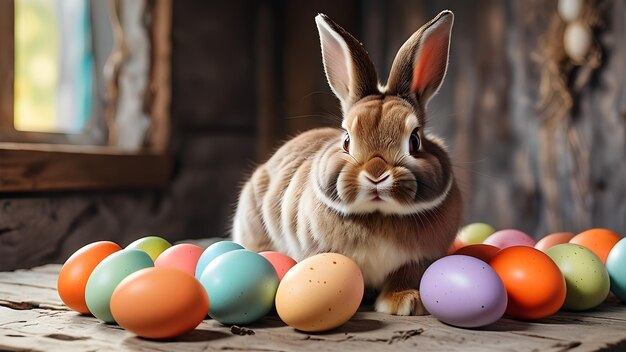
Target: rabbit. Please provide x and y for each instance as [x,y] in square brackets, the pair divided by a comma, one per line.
[379,190]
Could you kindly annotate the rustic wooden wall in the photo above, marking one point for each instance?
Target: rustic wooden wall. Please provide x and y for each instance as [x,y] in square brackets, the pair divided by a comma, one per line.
[213,143]
[248,74]
[487,108]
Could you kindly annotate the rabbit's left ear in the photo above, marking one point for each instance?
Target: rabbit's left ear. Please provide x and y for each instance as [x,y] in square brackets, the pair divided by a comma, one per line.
[421,63]
[350,72]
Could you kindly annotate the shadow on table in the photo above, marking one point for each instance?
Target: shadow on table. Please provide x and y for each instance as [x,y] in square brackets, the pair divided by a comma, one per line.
[197,335]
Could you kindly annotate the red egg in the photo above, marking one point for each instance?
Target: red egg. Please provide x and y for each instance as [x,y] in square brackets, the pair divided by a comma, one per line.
[535,286]
[76,271]
[483,252]
[281,262]
[181,256]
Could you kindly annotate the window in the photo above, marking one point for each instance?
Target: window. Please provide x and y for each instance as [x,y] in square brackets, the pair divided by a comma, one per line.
[84,94]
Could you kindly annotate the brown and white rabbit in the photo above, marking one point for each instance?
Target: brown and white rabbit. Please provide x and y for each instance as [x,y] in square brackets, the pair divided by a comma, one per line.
[380,190]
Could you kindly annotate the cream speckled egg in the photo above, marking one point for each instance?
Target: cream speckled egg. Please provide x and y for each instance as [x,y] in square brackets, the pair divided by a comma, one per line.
[320,293]
[577,40]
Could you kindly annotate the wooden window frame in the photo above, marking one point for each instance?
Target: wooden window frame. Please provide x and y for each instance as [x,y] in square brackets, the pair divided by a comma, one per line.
[42,162]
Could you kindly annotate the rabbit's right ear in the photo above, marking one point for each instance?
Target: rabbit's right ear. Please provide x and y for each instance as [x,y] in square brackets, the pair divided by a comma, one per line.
[350,72]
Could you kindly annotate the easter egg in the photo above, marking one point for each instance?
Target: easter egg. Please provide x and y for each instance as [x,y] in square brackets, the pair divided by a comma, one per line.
[241,286]
[615,265]
[76,271]
[553,239]
[481,251]
[281,262]
[212,252]
[508,238]
[586,277]
[475,233]
[107,275]
[152,245]
[599,241]
[455,245]
[570,10]
[534,283]
[159,303]
[463,291]
[181,256]
[577,40]
[320,293]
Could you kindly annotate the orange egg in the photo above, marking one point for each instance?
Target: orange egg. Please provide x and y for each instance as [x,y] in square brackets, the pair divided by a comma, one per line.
[599,241]
[159,303]
[534,284]
[484,252]
[455,246]
[76,271]
[553,239]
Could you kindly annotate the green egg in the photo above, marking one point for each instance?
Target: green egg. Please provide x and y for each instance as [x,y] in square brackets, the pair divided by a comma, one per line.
[586,277]
[475,233]
[107,275]
[153,245]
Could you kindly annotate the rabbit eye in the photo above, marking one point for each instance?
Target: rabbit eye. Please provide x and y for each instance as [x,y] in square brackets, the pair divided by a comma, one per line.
[346,143]
[414,142]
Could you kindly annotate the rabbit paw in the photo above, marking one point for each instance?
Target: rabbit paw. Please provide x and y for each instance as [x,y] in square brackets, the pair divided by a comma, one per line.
[407,302]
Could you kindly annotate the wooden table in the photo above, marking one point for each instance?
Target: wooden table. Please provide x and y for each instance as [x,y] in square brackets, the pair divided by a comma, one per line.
[32,318]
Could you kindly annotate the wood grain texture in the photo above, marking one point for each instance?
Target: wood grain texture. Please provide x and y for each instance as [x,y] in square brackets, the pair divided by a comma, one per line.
[57,168]
[32,317]
[212,147]
[7,57]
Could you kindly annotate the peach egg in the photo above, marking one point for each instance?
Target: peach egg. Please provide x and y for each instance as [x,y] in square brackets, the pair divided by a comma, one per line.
[320,293]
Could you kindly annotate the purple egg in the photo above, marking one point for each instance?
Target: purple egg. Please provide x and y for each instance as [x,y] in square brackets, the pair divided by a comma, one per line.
[463,291]
[509,238]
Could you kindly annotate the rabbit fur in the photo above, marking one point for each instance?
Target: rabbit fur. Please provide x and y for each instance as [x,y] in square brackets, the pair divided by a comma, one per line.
[380,190]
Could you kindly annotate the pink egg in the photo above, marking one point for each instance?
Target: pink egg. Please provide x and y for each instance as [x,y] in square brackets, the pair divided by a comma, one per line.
[181,256]
[281,262]
[509,238]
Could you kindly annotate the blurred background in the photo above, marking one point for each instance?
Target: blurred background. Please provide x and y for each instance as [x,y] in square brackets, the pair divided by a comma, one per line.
[533,110]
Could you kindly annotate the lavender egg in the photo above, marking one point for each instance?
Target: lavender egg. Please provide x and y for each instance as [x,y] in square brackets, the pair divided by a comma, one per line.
[463,291]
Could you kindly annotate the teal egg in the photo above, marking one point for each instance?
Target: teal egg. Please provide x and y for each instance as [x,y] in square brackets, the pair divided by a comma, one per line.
[616,266]
[241,286]
[585,276]
[212,252]
[107,275]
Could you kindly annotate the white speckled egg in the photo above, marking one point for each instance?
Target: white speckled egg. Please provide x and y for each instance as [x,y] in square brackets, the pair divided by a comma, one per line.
[577,41]
[320,293]
[570,10]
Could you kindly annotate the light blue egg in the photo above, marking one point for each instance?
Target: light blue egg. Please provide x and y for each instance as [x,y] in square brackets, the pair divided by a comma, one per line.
[107,275]
[615,264]
[212,252]
[241,286]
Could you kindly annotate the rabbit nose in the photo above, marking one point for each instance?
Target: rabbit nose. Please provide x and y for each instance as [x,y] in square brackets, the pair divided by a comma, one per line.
[378,180]
[375,170]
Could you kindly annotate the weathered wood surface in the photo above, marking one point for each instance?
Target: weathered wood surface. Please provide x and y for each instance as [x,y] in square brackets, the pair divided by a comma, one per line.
[32,318]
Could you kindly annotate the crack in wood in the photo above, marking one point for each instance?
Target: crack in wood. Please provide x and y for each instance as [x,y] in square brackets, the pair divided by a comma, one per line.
[64,337]
[398,336]
[26,305]
[4,348]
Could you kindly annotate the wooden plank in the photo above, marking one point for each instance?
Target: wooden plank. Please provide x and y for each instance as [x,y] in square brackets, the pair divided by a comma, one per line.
[33,318]
[55,168]
[159,88]
[6,64]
